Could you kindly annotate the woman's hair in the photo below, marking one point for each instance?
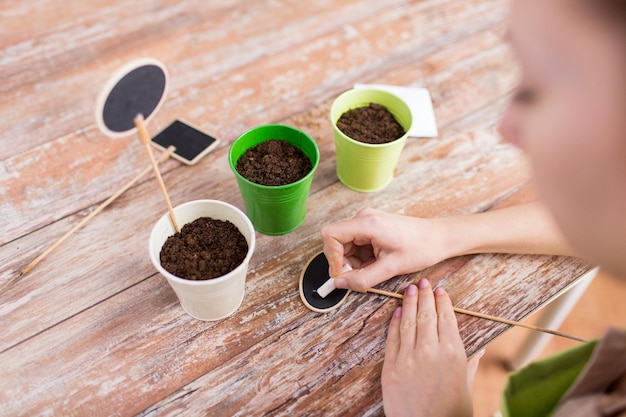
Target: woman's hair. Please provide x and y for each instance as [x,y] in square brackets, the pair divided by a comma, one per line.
[612,11]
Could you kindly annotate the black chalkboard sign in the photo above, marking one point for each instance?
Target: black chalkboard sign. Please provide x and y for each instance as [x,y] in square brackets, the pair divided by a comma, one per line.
[138,88]
[314,275]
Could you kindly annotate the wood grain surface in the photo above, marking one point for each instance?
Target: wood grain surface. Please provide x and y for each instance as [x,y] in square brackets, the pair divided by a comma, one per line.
[94,330]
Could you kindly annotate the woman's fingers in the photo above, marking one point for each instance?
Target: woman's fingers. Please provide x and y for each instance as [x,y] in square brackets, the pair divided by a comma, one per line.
[447,326]
[392,345]
[427,317]
[426,314]
[334,252]
[424,373]
[408,321]
[369,274]
[344,239]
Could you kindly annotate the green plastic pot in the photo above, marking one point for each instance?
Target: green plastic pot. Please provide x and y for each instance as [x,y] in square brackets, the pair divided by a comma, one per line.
[362,166]
[275,210]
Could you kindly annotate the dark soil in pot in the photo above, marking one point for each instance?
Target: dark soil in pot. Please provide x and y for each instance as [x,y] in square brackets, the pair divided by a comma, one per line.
[204,249]
[372,124]
[274,162]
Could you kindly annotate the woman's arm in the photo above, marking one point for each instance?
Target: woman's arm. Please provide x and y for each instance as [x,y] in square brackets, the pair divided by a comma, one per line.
[523,229]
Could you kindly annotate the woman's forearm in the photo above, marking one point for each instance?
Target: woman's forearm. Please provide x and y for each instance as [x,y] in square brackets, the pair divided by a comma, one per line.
[523,229]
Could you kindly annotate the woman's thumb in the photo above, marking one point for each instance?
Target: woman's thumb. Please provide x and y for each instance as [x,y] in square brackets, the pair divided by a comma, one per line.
[362,279]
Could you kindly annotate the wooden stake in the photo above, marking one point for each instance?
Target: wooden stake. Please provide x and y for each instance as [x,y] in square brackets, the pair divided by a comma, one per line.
[486,317]
[145,139]
[84,221]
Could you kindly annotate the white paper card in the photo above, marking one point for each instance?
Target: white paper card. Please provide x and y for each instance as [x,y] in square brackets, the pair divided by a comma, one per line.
[421,105]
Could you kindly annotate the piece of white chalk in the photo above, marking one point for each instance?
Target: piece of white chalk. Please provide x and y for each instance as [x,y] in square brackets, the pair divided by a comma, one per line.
[329,286]
[326,288]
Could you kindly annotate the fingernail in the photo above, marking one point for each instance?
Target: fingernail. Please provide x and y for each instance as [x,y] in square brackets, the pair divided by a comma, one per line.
[411,290]
[440,291]
[398,312]
[423,283]
[481,353]
[341,283]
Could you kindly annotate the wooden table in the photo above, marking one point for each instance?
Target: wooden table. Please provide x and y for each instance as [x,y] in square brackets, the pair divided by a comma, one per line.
[94,330]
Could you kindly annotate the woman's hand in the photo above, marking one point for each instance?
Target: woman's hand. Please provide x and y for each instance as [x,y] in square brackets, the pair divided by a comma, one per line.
[380,245]
[426,372]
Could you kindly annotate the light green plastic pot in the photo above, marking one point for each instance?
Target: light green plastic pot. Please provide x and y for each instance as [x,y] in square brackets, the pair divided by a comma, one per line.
[362,166]
[275,210]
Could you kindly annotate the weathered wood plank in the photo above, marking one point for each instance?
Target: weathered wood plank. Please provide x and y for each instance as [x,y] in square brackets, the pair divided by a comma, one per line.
[199,44]
[200,30]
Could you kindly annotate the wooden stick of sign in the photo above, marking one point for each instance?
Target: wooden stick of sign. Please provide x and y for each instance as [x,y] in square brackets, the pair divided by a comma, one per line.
[145,140]
[487,317]
[163,157]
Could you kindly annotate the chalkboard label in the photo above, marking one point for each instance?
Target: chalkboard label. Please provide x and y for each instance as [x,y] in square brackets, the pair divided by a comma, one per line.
[139,88]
